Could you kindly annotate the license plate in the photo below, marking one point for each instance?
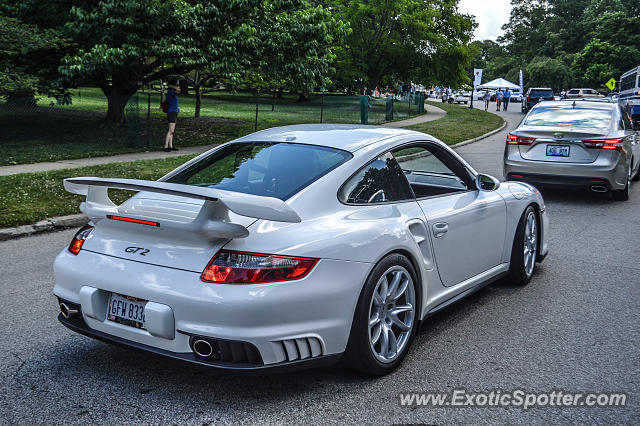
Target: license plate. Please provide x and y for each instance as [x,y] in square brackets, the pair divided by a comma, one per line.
[126,310]
[558,150]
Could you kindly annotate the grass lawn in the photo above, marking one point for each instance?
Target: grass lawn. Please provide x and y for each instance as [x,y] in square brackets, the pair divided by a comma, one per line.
[48,132]
[460,123]
[29,197]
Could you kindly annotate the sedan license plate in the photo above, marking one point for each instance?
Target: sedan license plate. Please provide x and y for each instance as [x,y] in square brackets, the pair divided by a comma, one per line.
[126,310]
[558,150]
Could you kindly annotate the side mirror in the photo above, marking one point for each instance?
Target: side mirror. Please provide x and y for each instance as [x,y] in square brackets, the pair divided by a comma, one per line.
[487,182]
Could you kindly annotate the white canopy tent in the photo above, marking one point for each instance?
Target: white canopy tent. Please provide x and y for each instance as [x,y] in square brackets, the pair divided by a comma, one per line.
[499,83]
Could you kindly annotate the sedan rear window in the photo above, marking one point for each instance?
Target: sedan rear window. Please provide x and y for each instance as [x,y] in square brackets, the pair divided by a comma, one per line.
[270,169]
[541,93]
[570,117]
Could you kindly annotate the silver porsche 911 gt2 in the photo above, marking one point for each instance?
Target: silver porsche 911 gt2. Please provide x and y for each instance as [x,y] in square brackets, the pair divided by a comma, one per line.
[294,247]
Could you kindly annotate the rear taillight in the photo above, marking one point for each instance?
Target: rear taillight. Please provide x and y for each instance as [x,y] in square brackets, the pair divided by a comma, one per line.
[234,267]
[79,239]
[615,144]
[519,140]
[528,98]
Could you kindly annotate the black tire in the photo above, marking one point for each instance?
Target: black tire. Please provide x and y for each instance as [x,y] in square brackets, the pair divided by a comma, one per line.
[359,354]
[622,194]
[636,177]
[518,274]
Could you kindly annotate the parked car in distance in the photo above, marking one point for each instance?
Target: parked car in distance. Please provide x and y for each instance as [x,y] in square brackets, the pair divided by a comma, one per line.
[535,95]
[516,97]
[462,97]
[583,93]
[294,247]
[579,144]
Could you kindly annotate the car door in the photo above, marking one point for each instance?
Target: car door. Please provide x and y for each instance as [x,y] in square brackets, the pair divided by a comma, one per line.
[467,226]
[634,138]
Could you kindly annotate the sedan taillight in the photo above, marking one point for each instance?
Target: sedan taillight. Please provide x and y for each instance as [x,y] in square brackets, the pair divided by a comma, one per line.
[519,140]
[79,239]
[615,144]
[234,267]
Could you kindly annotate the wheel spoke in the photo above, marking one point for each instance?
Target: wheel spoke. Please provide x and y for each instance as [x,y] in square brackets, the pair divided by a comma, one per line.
[400,309]
[374,319]
[394,284]
[384,288]
[384,344]
[393,343]
[375,335]
[401,290]
[395,320]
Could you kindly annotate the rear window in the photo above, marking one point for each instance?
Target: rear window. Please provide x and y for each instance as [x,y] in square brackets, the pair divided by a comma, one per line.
[570,117]
[270,169]
[541,93]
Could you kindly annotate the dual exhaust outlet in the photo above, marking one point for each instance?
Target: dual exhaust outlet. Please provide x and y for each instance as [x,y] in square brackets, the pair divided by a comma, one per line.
[67,311]
[599,188]
[204,348]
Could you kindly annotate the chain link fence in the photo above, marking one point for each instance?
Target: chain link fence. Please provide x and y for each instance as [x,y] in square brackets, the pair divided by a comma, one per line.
[44,129]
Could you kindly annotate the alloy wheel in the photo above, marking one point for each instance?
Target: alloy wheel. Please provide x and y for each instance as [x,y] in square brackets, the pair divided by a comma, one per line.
[391,314]
[530,243]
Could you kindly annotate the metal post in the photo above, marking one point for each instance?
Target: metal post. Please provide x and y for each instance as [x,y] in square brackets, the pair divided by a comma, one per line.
[321,106]
[255,127]
[149,118]
[471,103]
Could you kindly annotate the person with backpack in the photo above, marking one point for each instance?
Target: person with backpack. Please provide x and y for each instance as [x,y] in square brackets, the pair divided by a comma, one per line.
[172,113]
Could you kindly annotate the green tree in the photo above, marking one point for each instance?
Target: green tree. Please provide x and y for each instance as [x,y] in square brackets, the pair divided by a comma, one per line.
[423,40]
[550,72]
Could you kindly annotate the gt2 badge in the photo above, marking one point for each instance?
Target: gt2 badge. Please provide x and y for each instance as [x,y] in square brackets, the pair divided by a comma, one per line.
[141,251]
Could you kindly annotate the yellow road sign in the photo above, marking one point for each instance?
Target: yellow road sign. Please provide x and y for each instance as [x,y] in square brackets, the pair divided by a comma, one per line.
[611,84]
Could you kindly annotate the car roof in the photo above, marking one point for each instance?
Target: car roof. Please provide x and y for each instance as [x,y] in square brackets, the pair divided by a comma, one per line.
[582,104]
[348,137]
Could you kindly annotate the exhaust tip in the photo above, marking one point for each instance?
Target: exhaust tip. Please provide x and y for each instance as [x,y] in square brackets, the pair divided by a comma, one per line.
[66,311]
[202,348]
[598,188]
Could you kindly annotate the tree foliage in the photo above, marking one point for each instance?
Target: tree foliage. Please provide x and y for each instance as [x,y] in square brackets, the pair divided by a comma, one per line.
[564,43]
[420,40]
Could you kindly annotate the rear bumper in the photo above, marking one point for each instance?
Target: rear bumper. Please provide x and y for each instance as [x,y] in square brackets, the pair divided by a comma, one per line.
[285,322]
[606,171]
[573,182]
[79,326]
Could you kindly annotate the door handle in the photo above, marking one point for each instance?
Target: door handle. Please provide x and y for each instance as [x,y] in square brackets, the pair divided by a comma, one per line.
[439,229]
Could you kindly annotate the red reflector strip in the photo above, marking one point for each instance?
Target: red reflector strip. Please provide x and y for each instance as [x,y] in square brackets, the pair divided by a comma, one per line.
[519,140]
[132,220]
[615,144]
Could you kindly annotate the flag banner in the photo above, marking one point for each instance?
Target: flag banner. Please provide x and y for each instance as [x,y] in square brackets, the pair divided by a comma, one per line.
[477,77]
[521,84]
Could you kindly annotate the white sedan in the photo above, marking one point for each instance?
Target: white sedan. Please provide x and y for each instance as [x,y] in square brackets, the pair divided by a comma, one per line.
[295,247]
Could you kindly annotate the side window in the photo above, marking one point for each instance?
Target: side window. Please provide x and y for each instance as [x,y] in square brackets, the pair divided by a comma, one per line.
[380,181]
[427,174]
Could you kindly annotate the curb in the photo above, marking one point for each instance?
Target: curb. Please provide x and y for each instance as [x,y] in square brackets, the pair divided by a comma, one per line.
[78,220]
[486,135]
[47,225]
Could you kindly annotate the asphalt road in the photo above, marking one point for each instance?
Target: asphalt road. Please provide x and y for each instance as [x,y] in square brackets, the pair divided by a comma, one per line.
[573,328]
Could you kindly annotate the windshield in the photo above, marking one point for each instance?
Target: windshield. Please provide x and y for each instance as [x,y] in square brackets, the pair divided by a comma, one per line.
[262,168]
[541,93]
[569,116]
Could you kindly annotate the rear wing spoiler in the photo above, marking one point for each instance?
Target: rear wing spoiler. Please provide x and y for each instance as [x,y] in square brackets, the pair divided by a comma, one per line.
[212,219]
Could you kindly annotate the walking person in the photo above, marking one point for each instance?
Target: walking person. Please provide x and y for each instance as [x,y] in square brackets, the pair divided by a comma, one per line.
[507,97]
[172,113]
[499,96]
[487,99]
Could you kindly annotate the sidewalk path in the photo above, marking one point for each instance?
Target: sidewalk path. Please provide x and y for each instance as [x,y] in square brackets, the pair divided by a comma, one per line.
[433,113]
[91,161]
